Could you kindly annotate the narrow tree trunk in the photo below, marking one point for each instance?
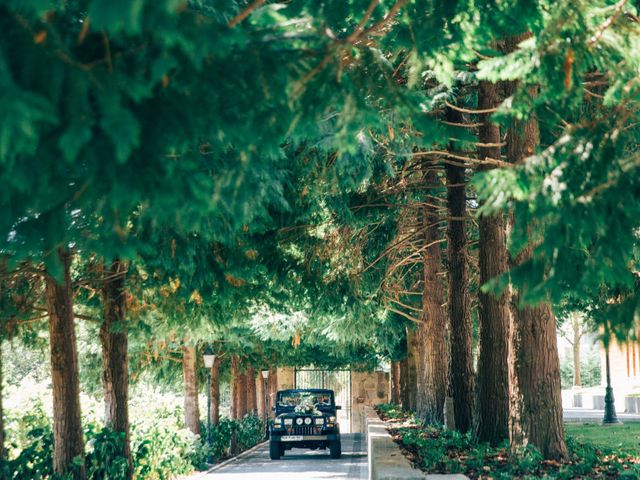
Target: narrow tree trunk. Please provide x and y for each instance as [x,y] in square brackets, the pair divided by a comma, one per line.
[404,384]
[67,427]
[577,336]
[461,374]
[492,422]
[434,355]
[214,392]
[233,385]
[252,400]
[395,382]
[536,404]
[115,360]
[191,408]
[273,389]
[412,368]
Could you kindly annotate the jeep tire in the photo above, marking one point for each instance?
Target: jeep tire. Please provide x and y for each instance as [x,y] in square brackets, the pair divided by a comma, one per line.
[275,451]
[335,449]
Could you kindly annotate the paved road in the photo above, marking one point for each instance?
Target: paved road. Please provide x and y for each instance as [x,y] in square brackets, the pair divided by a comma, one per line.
[583,415]
[299,464]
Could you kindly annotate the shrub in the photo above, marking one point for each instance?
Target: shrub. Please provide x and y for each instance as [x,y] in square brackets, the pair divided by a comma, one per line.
[161,448]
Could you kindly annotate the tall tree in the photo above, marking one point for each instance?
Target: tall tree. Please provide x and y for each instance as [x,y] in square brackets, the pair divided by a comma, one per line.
[214,392]
[252,405]
[461,374]
[494,314]
[190,377]
[68,452]
[536,404]
[115,359]
[432,332]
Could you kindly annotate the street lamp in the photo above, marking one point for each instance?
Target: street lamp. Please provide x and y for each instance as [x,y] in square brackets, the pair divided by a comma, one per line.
[265,376]
[609,402]
[209,359]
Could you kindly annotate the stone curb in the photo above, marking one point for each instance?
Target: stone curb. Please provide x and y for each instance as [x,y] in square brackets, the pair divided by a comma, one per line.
[386,461]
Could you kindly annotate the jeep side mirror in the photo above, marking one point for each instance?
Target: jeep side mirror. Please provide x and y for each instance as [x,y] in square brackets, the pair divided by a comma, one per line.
[338,407]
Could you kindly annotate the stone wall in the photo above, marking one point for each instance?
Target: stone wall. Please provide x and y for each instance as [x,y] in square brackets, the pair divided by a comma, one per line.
[367,389]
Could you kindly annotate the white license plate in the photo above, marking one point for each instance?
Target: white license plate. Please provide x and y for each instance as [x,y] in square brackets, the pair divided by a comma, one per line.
[291,438]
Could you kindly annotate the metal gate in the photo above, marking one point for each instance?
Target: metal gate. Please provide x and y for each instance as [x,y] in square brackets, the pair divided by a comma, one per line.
[337,380]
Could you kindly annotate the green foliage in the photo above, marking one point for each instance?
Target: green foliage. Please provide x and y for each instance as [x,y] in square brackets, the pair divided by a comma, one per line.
[161,447]
[592,454]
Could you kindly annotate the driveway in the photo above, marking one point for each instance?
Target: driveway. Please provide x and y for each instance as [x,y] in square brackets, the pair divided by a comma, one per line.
[298,464]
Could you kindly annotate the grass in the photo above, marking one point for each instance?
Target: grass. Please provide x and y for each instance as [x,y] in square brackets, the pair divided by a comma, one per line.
[620,437]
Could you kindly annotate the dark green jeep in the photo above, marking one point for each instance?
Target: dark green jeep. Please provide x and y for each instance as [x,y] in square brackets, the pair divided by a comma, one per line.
[305,418]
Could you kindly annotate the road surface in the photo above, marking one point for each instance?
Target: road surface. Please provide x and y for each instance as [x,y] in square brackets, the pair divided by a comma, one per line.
[299,464]
[583,415]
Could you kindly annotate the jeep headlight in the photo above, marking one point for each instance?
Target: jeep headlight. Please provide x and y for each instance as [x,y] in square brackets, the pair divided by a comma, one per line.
[332,419]
[307,421]
[277,422]
[319,421]
[288,421]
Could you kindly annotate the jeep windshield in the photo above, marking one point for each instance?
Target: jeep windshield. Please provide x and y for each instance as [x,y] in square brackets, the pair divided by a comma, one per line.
[304,401]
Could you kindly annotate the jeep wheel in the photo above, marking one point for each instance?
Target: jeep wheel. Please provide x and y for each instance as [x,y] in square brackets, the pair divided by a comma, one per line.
[274,450]
[335,449]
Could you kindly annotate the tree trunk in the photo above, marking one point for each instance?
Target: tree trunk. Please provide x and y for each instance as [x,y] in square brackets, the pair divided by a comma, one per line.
[260,394]
[433,365]
[233,385]
[191,409]
[214,392]
[67,427]
[242,394]
[412,368]
[252,400]
[404,384]
[273,390]
[577,336]
[536,404]
[461,375]
[395,382]
[492,422]
[115,361]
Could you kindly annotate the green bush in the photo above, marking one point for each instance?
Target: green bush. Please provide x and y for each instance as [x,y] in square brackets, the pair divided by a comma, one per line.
[161,447]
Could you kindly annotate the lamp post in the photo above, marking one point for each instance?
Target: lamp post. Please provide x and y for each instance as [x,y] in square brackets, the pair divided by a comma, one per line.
[209,358]
[610,416]
[265,376]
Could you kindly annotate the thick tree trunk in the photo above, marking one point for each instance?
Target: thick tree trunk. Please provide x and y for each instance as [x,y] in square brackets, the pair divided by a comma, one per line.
[260,394]
[67,427]
[536,404]
[395,382]
[242,394]
[189,373]
[214,392]
[252,400]
[233,385]
[432,332]
[414,347]
[115,360]
[492,421]
[461,375]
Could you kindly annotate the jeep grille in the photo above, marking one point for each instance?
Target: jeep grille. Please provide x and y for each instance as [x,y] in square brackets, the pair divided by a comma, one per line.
[303,430]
